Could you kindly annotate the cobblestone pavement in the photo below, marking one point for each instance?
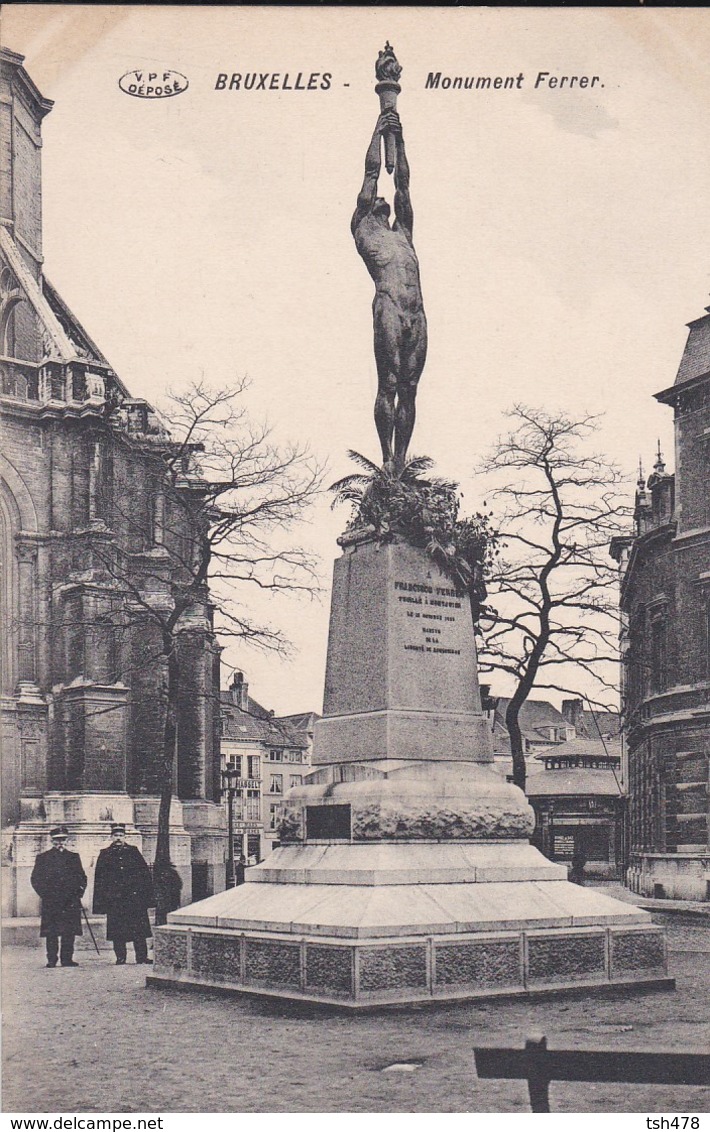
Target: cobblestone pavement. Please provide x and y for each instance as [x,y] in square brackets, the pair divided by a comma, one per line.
[96,1039]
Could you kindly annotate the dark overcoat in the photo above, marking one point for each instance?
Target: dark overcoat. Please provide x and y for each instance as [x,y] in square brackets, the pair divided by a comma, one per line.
[123,889]
[59,880]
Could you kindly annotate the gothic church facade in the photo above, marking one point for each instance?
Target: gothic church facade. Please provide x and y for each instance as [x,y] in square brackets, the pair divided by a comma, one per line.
[80,491]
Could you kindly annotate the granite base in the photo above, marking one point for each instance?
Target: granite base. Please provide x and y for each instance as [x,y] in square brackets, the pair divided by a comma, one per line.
[410,968]
[372,925]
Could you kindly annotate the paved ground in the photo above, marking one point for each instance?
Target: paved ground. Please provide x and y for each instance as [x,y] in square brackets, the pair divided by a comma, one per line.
[96,1039]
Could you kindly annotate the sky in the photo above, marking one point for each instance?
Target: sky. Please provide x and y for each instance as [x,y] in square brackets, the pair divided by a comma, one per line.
[562,233]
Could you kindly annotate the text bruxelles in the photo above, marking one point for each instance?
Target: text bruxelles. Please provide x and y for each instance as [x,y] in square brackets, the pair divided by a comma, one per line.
[273,80]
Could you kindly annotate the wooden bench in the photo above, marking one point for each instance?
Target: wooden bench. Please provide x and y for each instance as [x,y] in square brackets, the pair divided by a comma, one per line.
[539,1066]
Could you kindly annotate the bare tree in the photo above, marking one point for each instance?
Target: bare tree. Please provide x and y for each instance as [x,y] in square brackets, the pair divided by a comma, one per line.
[223,497]
[553,604]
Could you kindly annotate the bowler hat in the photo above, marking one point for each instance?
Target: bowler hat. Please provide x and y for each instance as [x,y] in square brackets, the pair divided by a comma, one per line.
[59,831]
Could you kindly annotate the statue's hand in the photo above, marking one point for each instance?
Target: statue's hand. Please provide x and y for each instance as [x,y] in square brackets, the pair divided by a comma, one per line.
[391,123]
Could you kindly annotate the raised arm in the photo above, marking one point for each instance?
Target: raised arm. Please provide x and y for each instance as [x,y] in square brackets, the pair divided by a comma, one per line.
[373,164]
[402,201]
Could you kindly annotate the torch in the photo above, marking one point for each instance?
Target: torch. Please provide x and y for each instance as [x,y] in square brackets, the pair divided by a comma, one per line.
[388,70]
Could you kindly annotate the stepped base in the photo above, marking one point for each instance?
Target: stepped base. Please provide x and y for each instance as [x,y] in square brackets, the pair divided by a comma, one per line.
[387,935]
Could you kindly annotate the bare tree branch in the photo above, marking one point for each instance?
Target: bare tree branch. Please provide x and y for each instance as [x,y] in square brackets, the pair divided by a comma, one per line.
[552,598]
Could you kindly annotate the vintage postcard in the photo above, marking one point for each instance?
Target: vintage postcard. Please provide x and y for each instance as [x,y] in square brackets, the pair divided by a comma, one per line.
[356,560]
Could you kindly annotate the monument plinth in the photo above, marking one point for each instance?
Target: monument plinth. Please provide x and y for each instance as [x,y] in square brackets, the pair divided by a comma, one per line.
[405,872]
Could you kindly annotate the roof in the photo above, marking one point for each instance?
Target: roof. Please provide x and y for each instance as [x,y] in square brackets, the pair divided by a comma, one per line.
[11,61]
[503,765]
[534,714]
[54,337]
[303,721]
[696,355]
[63,337]
[568,783]
[257,724]
[255,708]
[608,722]
[536,718]
[77,335]
[592,748]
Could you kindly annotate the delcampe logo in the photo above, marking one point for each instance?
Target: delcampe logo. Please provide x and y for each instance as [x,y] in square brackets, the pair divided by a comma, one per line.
[153,84]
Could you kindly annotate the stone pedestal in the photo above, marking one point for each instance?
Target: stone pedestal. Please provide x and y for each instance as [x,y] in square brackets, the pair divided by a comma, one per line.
[405,872]
[401,679]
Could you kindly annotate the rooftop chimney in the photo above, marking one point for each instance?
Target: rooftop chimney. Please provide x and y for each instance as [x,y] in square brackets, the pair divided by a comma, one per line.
[239,690]
[573,711]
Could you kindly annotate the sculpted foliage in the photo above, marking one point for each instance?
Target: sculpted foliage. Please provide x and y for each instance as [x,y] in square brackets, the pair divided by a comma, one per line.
[402,503]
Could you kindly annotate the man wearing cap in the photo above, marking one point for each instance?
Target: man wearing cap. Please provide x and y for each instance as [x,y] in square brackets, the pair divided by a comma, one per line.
[59,880]
[123,889]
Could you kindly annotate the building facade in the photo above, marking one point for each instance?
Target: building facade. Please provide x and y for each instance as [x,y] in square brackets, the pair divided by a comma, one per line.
[87,537]
[665,602]
[579,805]
[270,755]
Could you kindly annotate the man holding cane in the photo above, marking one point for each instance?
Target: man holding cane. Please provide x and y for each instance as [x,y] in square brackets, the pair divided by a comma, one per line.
[59,880]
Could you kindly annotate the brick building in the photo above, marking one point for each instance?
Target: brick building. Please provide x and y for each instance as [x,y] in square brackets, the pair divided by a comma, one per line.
[271,756]
[81,490]
[665,601]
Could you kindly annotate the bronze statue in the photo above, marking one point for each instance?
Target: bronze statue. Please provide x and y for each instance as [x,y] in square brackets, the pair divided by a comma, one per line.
[398,311]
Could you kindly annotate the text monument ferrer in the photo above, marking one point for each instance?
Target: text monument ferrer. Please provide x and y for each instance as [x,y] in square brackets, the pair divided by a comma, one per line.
[405,871]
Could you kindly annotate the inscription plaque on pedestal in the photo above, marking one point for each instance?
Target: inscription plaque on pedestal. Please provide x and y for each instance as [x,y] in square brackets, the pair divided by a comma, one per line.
[401,677]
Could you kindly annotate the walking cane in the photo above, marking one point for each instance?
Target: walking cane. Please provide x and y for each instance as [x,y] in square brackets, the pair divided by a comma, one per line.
[93,937]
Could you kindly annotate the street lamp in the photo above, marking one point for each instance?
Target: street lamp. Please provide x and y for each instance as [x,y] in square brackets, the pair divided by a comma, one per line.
[229,787]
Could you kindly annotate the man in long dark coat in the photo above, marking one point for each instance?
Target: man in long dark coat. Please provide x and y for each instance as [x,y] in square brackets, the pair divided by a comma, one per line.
[123,889]
[59,880]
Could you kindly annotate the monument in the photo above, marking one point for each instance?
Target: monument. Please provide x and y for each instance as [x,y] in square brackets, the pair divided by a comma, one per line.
[405,871]
[398,311]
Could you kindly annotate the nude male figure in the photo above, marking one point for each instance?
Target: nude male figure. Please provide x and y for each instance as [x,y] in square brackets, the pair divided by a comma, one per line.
[397,309]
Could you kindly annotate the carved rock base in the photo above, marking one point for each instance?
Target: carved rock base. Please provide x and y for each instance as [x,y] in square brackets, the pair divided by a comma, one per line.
[393,800]
[370,964]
